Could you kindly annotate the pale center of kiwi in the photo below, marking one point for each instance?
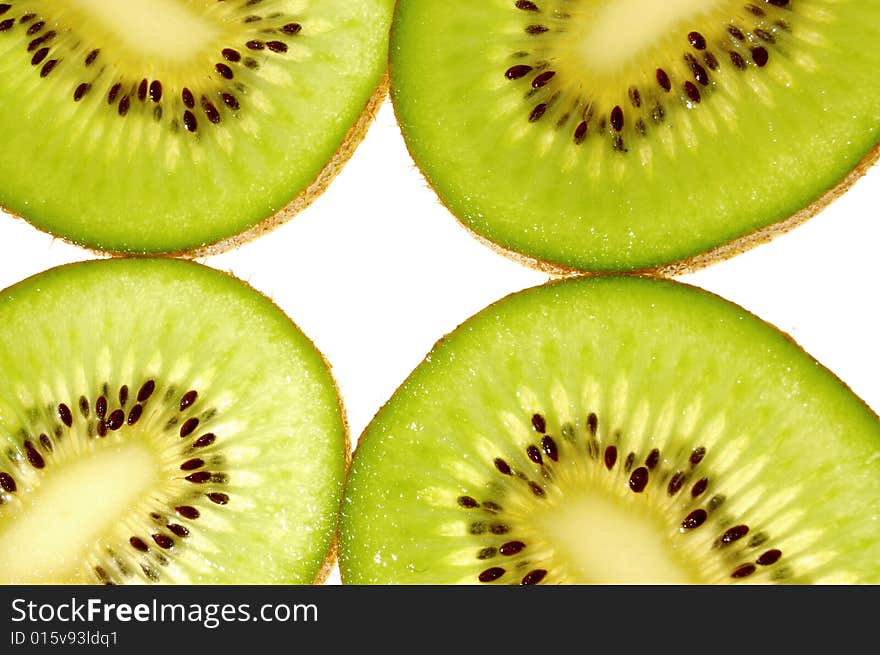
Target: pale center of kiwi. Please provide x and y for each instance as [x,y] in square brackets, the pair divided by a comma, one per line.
[81,500]
[160,29]
[619,31]
[609,544]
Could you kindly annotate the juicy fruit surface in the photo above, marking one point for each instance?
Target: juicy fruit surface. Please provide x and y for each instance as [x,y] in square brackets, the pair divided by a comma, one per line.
[164,126]
[615,430]
[601,135]
[162,422]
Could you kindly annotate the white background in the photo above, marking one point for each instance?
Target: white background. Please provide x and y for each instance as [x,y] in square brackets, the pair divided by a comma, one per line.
[376,270]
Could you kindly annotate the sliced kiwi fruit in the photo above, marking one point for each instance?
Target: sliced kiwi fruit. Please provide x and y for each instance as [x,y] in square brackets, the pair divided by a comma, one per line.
[163,422]
[611,135]
[615,430]
[181,126]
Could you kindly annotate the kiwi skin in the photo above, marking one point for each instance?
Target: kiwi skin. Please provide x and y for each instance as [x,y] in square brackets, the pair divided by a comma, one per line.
[690,265]
[306,197]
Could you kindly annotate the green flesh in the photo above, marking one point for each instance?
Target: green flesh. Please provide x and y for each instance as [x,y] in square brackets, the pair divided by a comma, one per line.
[266,513]
[749,432]
[138,183]
[761,144]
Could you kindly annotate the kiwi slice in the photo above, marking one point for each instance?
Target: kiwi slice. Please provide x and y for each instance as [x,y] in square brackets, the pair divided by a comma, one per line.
[161,421]
[615,430]
[614,135]
[181,126]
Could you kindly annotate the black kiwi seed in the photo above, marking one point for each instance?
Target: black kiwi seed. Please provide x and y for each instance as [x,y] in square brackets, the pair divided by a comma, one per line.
[526,5]
[534,454]
[210,110]
[537,112]
[737,59]
[663,80]
[4,8]
[610,457]
[187,512]
[39,56]
[277,46]
[116,419]
[490,575]
[65,415]
[143,87]
[230,100]
[692,92]
[91,57]
[101,407]
[189,121]
[593,423]
[292,28]
[769,557]
[40,40]
[697,456]
[699,487]
[743,571]
[134,414]
[533,577]
[204,440]
[163,540]
[487,553]
[492,507]
[628,463]
[536,29]
[224,70]
[200,477]
[189,100]
[113,93]
[617,118]
[178,530]
[539,424]
[467,501]
[697,40]
[193,464]
[760,56]
[652,459]
[639,479]
[124,105]
[733,534]
[736,33]
[139,544]
[231,55]
[146,391]
[502,466]
[7,483]
[188,427]
[218,498]
[6,24]
[548,445]
[695,519]
[511,548]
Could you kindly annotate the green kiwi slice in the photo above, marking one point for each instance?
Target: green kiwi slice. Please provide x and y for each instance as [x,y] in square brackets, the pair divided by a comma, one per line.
[615,430]
[161,421]
[611,135]
[181,126]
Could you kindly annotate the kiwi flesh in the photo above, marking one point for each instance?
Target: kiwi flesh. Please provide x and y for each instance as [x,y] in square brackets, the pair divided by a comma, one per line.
[612,135]
[615,430]
[185,127]
[162,422]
